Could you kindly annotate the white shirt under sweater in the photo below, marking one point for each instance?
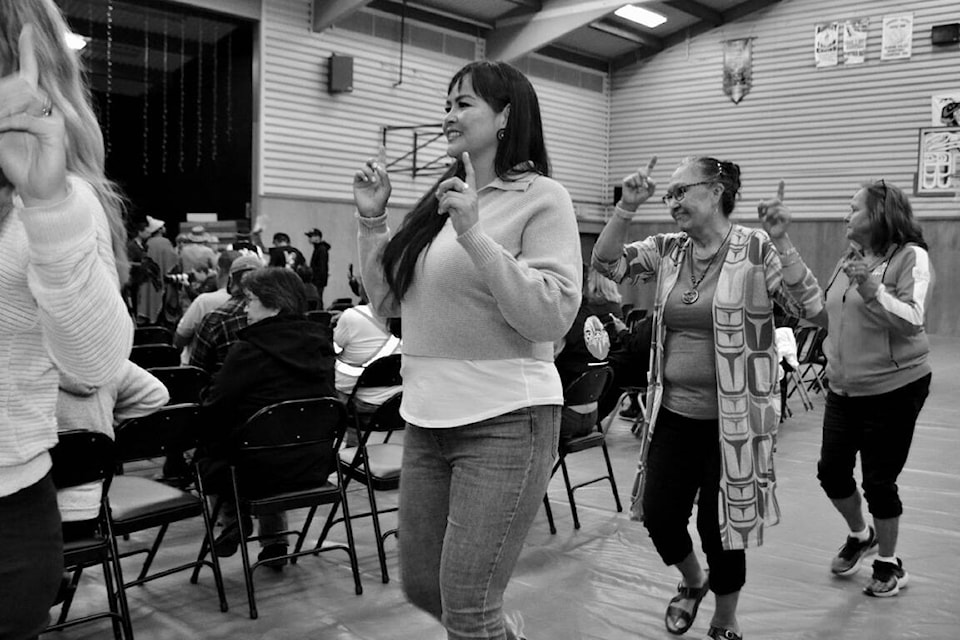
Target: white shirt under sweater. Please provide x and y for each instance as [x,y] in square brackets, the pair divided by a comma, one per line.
[61,310]
[481,316]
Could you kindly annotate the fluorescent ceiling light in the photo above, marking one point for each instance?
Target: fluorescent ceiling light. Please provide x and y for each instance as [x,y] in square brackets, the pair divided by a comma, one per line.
[76,41]
[639,15]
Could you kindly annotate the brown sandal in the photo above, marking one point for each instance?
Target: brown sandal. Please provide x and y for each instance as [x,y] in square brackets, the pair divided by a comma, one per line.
[677,619]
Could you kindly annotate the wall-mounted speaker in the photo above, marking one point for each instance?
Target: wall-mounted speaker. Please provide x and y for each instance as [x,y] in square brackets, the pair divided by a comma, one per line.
[945,33]
[340,74]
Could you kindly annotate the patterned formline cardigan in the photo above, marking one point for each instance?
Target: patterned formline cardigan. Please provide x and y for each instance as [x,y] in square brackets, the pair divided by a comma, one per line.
[749,412]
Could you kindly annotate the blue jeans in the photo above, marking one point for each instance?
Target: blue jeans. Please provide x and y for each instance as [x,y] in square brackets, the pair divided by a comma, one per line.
[468,496]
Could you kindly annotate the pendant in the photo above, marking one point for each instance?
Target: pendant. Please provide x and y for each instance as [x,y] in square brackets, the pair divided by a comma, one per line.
[689,296]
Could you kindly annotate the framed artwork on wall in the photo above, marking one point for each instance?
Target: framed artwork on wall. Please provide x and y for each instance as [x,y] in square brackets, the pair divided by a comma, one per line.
[938,161]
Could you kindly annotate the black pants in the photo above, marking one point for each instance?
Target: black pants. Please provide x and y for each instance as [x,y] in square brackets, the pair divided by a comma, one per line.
[31,559]
[684,457]
[879,427]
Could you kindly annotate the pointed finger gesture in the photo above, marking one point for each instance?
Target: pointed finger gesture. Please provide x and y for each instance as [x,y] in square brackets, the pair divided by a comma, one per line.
[458,197]
[638,187]
[32,139]
[774,215]
[371,186]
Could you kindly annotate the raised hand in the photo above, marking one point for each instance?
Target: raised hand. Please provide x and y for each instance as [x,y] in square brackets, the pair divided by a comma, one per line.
[371,186]
[638,187]
[32,139]
[855,265]
[774,215]
[458,198]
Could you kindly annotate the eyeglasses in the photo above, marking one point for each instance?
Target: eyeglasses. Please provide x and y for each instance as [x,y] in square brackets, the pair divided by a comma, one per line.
[679,192]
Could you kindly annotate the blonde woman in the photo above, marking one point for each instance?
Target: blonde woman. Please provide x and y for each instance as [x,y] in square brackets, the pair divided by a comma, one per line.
[60,221]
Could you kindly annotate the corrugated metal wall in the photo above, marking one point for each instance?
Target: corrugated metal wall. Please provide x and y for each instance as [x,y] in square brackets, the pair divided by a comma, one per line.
[822,130]
[312,141]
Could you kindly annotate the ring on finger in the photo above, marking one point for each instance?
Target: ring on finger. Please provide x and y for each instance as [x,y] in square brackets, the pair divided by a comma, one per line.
[46,107]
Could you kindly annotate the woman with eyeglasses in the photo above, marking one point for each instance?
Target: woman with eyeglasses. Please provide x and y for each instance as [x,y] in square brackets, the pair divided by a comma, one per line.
[712,395]
[876,351]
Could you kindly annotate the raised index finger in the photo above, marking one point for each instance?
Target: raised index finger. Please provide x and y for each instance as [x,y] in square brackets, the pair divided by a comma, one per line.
[780,191]
[470,175]
[651,165]
[29,70]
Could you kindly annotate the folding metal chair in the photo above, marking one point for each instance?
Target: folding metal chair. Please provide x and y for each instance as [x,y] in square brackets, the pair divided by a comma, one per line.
[149,356]
[139,503]
[586,389]
[82,457]
[152,334]
[302,436]
[810,356]
[184,383]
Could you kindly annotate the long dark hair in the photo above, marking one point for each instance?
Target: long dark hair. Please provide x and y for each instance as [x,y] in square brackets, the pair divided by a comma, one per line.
[498,84]
[891,217]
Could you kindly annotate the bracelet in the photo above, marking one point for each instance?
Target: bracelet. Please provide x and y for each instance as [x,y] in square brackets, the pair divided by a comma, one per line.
[789,263]
[623,214]
[789,253]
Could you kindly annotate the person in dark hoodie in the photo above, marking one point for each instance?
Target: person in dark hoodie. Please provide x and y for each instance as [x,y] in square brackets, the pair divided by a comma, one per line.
[319,261]
[279,356]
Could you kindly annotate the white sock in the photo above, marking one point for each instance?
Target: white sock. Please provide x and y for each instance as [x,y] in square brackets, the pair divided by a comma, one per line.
[891,559]
[862,536]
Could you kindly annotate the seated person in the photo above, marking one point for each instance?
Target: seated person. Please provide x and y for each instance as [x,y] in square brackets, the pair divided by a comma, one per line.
[279,356]
[133,393]
[362,337]
[586,344]
[202,305]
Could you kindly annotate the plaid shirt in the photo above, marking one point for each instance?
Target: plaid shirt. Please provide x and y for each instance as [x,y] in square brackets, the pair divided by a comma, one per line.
[217,333]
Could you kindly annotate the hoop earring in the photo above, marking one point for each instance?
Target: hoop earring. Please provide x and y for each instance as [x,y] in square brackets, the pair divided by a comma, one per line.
[501,133]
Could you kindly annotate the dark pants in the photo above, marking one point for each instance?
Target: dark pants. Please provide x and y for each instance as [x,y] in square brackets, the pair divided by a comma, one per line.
[684,457]
[879,427]
[31,559]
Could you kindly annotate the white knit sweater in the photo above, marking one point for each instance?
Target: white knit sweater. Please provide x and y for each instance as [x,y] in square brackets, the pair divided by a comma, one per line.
[60,308]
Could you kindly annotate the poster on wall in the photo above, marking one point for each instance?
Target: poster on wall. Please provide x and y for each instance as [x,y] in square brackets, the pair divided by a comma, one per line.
[938,161]
[737,68]
[897,41]
[854,40]
[945,109]
[826,44]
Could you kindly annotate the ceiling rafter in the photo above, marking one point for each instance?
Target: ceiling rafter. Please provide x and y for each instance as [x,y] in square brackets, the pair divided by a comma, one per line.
[328,12]
[698,10]
[643,39]
[730,15]
[517,36]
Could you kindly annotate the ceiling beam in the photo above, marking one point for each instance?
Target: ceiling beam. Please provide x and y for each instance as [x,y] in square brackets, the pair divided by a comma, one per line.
[328,12]
[693,8]
[515,37]
[536,5]
[432,17]
[730,15]
[642,39]
[574,57]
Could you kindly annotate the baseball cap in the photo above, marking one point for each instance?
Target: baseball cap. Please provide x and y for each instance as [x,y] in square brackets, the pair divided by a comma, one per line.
[247,262]
[314,232]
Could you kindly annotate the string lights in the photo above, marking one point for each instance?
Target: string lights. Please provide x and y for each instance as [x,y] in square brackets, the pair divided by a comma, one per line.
[163,134]
[106,115]
[146,94]
[199,93]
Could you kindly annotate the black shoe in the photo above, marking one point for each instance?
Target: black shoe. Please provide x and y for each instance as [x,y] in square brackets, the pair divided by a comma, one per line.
[274,551]
[227,543]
